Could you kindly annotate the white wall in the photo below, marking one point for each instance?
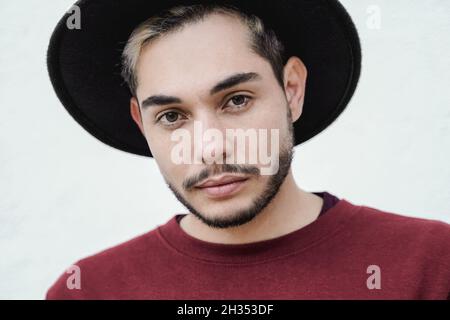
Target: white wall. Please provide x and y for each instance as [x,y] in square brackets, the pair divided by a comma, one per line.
[64,195]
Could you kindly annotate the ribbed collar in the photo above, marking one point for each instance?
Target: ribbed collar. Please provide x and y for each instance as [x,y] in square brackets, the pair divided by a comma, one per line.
[322,228]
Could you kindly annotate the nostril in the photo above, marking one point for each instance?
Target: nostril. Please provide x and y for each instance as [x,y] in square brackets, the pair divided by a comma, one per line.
[209,155]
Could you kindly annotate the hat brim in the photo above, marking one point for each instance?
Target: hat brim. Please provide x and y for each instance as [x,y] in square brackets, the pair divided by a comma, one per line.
[85,64]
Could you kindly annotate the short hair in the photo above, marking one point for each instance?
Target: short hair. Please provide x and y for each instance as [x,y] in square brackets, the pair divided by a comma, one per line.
[263,42]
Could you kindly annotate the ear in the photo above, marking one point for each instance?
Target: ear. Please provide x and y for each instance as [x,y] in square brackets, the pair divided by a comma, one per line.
[136,114]
[295,75]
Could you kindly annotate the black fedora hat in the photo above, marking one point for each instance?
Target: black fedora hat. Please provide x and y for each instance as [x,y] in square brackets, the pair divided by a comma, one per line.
[85,64]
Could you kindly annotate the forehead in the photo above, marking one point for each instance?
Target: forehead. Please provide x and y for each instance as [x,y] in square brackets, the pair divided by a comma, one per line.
[198,55]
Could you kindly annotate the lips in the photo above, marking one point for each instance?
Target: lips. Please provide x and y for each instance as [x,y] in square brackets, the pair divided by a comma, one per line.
[222,181]
[225,186]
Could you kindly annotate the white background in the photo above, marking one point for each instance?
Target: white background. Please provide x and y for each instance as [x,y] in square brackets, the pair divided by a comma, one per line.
[64,195]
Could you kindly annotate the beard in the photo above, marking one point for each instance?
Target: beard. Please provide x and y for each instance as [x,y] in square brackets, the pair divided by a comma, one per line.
[247,214]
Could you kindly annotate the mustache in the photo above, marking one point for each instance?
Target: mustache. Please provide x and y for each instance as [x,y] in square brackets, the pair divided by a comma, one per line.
[215,170]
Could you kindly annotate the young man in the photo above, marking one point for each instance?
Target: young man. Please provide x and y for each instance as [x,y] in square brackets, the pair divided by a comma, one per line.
[251,231]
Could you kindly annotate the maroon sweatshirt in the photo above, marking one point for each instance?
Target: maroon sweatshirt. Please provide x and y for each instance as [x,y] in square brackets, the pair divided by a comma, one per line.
[349,252]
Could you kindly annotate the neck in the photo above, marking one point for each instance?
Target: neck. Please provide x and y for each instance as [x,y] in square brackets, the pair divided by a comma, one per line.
[291,209]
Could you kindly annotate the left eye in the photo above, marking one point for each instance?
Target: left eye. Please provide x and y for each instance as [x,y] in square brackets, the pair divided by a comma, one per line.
[239,101]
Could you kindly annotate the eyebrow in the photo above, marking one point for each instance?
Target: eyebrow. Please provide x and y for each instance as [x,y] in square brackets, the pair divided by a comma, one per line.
[234,80]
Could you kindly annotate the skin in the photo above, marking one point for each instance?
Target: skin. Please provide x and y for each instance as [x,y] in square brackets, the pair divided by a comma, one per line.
[187,63]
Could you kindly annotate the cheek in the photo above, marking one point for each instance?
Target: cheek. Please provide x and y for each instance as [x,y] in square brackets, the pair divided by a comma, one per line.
[161,154]
[158,144]
[171,172]
[274,125]
[268,113]
[269,118]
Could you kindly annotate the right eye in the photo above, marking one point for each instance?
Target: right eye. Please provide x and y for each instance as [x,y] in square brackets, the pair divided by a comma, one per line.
[169,118]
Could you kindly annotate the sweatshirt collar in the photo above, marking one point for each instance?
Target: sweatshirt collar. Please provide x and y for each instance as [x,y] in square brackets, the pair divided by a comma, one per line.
[324,227]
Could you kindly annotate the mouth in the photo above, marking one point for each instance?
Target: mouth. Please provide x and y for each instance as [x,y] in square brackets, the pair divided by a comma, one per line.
[223,189]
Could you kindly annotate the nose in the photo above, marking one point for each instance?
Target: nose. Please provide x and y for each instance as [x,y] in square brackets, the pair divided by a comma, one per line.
[210,140]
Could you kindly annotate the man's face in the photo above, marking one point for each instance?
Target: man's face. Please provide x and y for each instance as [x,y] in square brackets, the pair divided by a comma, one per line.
[187,64]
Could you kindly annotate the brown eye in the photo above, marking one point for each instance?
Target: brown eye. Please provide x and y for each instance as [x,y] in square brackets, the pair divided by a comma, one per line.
[239,101]
[171,116]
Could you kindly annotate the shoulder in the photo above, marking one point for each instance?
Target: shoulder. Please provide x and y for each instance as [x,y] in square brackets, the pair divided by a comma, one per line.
[106,269]
[410,234]
[403,224]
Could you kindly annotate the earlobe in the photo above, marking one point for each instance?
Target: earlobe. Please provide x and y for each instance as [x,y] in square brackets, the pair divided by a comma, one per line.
[136,113]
